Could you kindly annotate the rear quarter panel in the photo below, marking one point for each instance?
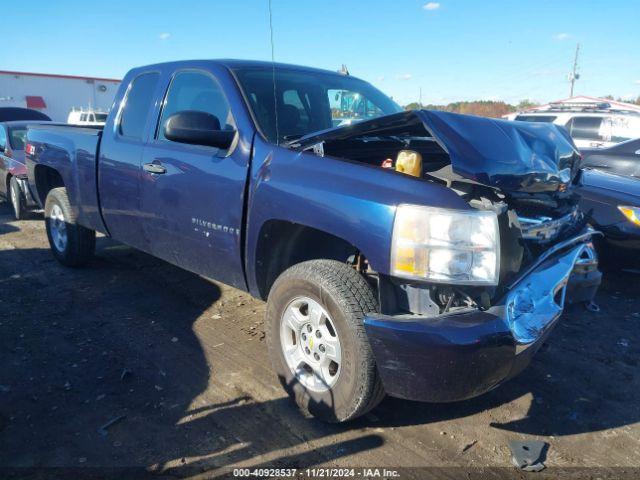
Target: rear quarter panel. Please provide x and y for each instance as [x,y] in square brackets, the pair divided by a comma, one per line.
[11,167]
[71,152]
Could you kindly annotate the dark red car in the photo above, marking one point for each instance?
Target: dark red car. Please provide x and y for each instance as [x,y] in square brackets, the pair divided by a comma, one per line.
[13,173]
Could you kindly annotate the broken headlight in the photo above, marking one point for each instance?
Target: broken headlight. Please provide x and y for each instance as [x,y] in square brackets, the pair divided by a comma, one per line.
[446,246]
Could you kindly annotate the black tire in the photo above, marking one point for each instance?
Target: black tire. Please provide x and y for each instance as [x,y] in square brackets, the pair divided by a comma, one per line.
[16,198]
[80,242]
[346,297]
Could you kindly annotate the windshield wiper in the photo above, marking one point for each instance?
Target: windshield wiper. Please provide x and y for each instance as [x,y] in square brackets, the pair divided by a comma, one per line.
[291,138]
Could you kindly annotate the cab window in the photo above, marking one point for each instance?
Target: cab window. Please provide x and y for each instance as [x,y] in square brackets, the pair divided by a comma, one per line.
[137,105]
[3,140]
[195,91]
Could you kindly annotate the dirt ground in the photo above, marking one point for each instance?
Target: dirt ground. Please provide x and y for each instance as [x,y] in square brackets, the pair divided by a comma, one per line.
[179,364]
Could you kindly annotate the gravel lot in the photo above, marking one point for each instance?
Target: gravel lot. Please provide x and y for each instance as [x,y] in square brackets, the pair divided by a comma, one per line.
[180,364]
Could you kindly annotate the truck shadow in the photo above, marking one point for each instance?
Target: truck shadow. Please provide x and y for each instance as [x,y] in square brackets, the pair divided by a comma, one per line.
[7,218]
[116,341]
[6,228]
[101,365]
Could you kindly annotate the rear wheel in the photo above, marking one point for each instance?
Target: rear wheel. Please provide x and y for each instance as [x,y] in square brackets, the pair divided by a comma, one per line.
[317,342]
[17,199]
[72,244]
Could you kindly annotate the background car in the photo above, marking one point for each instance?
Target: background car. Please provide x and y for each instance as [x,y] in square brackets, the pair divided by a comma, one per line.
[613,203]
[591,125]
[13,172]
[87,117]
[8,114]
[621,159]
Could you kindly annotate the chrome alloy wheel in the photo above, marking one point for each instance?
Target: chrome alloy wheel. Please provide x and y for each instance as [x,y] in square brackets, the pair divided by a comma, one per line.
[58,228]
[310,344]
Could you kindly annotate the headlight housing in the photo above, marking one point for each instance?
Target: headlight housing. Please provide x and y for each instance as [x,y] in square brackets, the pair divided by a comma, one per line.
[631,213]
[446,246]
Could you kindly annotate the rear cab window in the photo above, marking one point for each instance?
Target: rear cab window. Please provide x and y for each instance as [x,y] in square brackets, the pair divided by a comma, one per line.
[138,103]
[348,106]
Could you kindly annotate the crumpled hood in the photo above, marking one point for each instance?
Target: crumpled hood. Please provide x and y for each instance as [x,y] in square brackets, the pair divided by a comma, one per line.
[508,155]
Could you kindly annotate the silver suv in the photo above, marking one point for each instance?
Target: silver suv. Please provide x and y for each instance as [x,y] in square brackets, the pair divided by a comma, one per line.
[589,124]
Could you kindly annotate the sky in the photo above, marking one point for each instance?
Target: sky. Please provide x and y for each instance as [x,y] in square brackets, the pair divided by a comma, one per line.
[450,50]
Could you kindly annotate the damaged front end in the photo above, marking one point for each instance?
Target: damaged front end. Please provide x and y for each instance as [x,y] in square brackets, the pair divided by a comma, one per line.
[471,294]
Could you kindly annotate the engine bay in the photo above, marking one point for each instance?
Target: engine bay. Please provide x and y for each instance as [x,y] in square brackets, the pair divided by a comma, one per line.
[526,178]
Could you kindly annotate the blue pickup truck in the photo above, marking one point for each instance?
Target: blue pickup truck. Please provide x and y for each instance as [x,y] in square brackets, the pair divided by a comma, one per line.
[420,254]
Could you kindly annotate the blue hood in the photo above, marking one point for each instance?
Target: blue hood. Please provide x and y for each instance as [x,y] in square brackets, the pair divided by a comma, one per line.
[507,155]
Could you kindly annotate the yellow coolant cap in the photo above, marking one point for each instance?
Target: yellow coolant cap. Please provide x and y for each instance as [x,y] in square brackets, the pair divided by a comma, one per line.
[409,162]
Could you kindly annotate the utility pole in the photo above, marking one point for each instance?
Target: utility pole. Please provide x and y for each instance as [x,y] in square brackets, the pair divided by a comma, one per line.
[420,101]
[574,75]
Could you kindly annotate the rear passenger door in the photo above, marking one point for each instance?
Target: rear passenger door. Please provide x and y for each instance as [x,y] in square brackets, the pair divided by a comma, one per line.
[119,164]
[192,198]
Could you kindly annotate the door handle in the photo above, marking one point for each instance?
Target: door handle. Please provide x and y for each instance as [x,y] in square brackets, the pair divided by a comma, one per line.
[154,168]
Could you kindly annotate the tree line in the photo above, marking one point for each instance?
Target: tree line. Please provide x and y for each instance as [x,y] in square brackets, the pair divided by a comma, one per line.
[491,108]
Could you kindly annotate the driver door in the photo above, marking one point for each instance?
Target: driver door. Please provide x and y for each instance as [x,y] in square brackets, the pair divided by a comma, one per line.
[192,195]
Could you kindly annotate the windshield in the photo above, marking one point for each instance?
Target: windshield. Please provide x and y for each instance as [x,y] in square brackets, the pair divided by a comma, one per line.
[16,137]
[309,101]
[101,117]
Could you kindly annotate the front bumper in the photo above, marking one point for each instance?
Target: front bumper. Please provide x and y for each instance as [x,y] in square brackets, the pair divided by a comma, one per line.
[461,355]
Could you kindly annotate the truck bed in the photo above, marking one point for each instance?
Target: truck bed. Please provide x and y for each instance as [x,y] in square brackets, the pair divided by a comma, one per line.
[72,150]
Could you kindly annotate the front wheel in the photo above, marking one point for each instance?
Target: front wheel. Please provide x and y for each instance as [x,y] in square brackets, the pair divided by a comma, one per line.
[72,244]
[317,343]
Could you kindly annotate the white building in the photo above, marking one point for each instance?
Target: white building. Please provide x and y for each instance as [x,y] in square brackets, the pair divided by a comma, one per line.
[56,95]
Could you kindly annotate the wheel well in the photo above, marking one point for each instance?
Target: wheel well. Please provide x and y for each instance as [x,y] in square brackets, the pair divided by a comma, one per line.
[8,180]
[282,244]
[46,179]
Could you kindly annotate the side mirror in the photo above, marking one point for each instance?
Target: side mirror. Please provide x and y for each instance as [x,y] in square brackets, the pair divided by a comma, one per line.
[197,128]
